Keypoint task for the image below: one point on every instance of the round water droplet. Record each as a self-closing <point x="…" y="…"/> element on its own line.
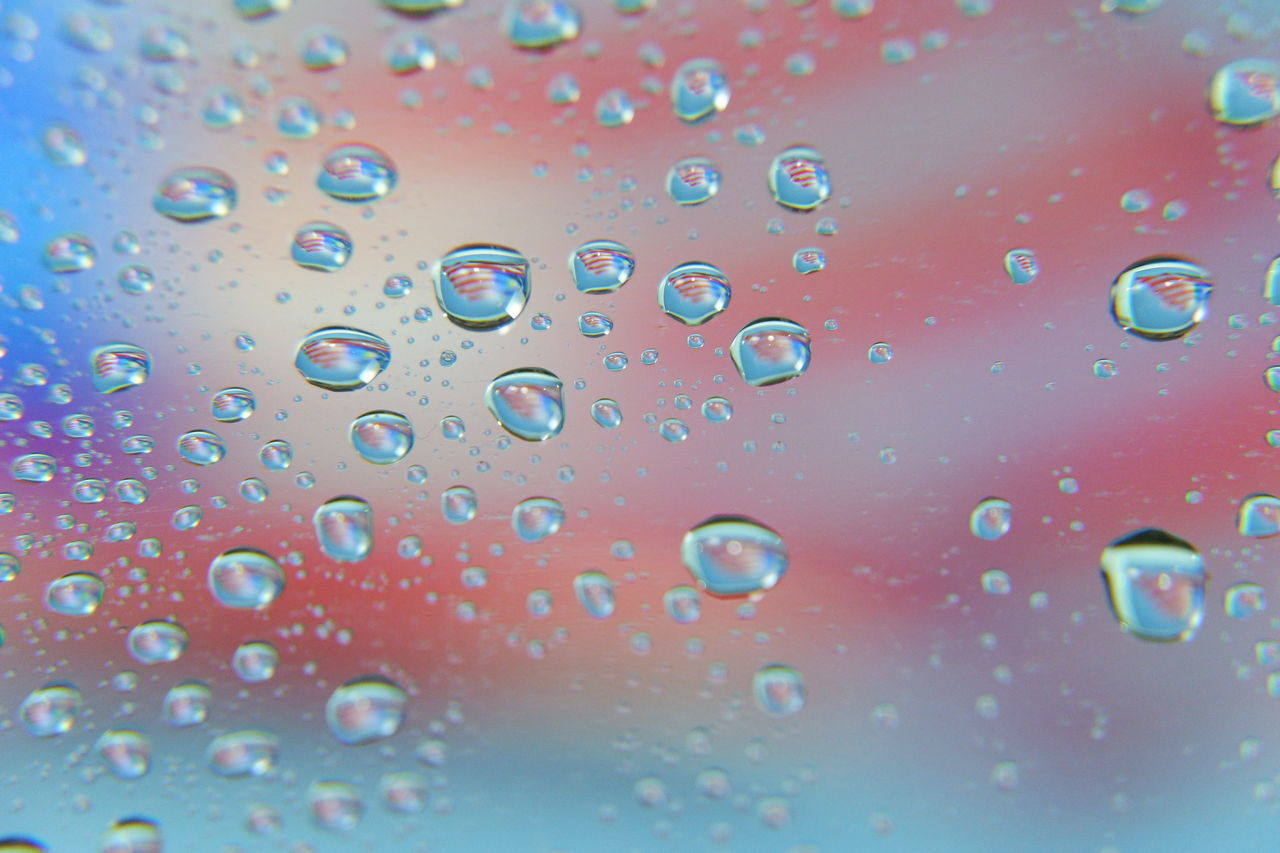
<point x="201" y="447"/>
<point x="1021" y="266"/>
<point x="245" y="578"/>
<point x="233" y="404"/>
<point x="699" y="90"/>
<point x="1155" y="583"/>
<point x="249" y="752"/>
<point x="118" y="366"/>
<point x="996" y="582"/>
<point x="356" y="173"/>
<point x="222" y="110"/>
<point x="186" y="704"/>
<point x="607" y="413"/>
<point x="614" y="109"/>
<point x="1259" y="516"/>
<point x="991" y="519"/>
<point x="682" y="604"/>
<point x="798" y="179"/>
<point x="344" y="529"/>
<point x="693" y="180"/>
<point x="276" y="455"/>
<point x="771" y="350"/>
<point x="324" y="51"/>
<point x="731" y="555"/>
<point x="34" y="468"/>
<point x="70" y="253"/>
<point x="157" y="641"/>
<point x="1161" y="299"/>
<point x="593" y="324"/>
<point x="404" y="792"/>
<point x="382" y="437"/>
<point x="880" y="353"/>
<point x="1246" y="91"/>
<point x="254" y="490"/>
<point x="534" y="519"/>
<point x="482" y="287"/>
<point x="11" y="407"/>
<point x="126" y="753"/>
<point x="63" y="146"/>
<point x="50" y="710"/>
<point x="528" y="403"/>
<point x="601" y="266"/>
<point x="541" y="24"/>
<point x="338" y="358"/>
<point x="255" y="662"/>
<point x="778" y="690"/>
<point x="335" y="806"/>
<point x="693" y="293"/>
<point x="195" y="194"/>
<point x="1243" y="600"/>
<point x="297" y="118"/>
<point x="321" y="246"/>
<point x="458" y="503"/>
<point x="410" y="53"/>
<point x="397" y="286"/>
<point x="187" y="517"/>
<point x="673" y="430"/>
<point x="366" y="709"/>
<point x="453" y="428"/>
<point x="136" y="279"/>
<point x="76" y="594"/>
<point x="594" y="591"/>
<point x="809" y="260"/>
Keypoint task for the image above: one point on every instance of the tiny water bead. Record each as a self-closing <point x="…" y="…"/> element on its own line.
<point x="1259" y="516"/>
<point x="991" y="519"/>
<point x="778" y="690"/>
<point x="321" y="246"/>
<point x="693" y="180"/>
<point x="798" y="179"/>
<point x="157" y="641"/>
<point x="10" y="567"/>
<point x="201" y="447"/>
<point x="50" y="710"/>
<point x="233" y="404"/>
<point x="119" y="366"/>
<point x="276" y="455"/>
<point x="534" y="519"/>
<point x="1021" y="266"/>
<point x="699" y="90"/>
<point x="528" y="403"/>
<point x="541" y="24"/>
<point x="607" y="413"/>
<point x="366" y="709"/>
<point x="601" y="266"/>
<point x="458" y="504"/>
<point x="771" y="350"/>
<point x="344" y="528"/>
<point x="195" y="194"/>
<point x="255" y="662"/>
<point x="381" y="437"/>
<point x="1161" y="298"/>
<point x="356" y="173"/>
<point x="245" y="579"/>
<point x="731" y="555"/>
<point x="694" y="293"/>
<point x="1246" y="91"/>
<point x="1155" y="583"/>
<point x="593" y="324"/>
<point x="482" y="287"/>
<point x="338" y="358"/>
<point x="594" y="592"/>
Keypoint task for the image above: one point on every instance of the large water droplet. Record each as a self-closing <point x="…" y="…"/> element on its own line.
<point x="1246" y="91"/>
<point x="117" y="366"/>
<point x="76" y="594"/>
<point x="356" y="173"/>
<point x="699" y="90"/>
<point x="338" y="358"/>
<point x="528" y="403"/>
<point x="731" y="555"/>
<point x="534" y="519"/>
<point x="1155" y="583"/>
<point x="366" y="709"/>
<point x="798" y="179"/>
<point x="778" y="690"/>
<point x="693" y="180"/>
<point x="34" y="468"/>
<point x="771" y="350"/>
<point x="991" y="518"/>
<point x="157" y="641"/>
<point x="601" y="266"/>
<point x="382" y="437"/>
<point x="195" y="194"/>
<point x="1161" y="299"/>
<point x="201" y="447"/>
<point x="541" y="24"/>
<point x="233" y="404"/>
<point x="594" y="591"/>
<point x="126" y="753"/>
<point x="1259" y="516"/>
<point x="482" y="287"/>
<point x="344" y="529"/>
<point x="50" y="710"/>
<point x="245" y="578"/>
<point x="458" y="504"/>
<point x="321" y="246"/>
<point x="249" y="752"/>
<point x="694" y="292"/>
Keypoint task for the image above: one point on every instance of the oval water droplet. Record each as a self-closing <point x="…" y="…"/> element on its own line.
<point x="1259" y="516"/>
<point x="534" y="519"/>
<point x="730" y="555"/>
<point x="1155" y="584"/>
<point x="382" y="437"/>
<point x="615" y="109"/>
<point x="593" y="324"/>
<point x="117" y="366"/>
<point x="798" y="179"/>
<point x="601" y="266"/>
<point x="541" y="24"/>
<point x="366" y="709"/>
<point x="249" y="752"/>
<point x="321" y="246"/>
<point x="1246" y="91"/>
<point x="607" y="413"/>
<point x="344" y="528"/>
<point x="694" y="180"/>
<point x="276" y="455"/>
<point x="771" y="350"/>
<point x="75" y="594"/>
<point x="201" y="447"/>
<point x="699" y="90"/>
<point x="338" y="358"/>
<point x="594" y="591"/>
<point x="809" y="260"/>
<point x="157" y="641"/>
<point x="356" y="173"/>
<point x="186" y="704"/>
<point x="410" y="53"/>
<point x="482" y="287"/>
<point x="421" y="8"/>
<point x="70" y="253"/>
<point x="1161" y="299"/>
<point x="528" y="403"/>
<point x="682" y="604"/>
<point x="335" y="806"/>
<point x="255" y="662"/>
<point x="34" y="468"/>
<point x="245" y="578"/>
<point x="50" y="710"/>
<point x="233" y="404"/>
<point x="195" y="194"/>
<point x="126" y="753"/>
<point x="694" y="292"/>
<point x="991" y="519"/>
<point x="132" y="835"/>
<point x="778" y="690"/>
<point x="458" y="504"/>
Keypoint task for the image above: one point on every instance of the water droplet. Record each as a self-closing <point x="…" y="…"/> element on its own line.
<point x="880" y="353"/>
<point x="996" y="582"/>
<point x="201" y="447"/>
<point x="222" y="110"/>
<point x="541" y="24"/>
<point x="50" y="710"/>
<point x="527" y="403"/>
<point x="321" y="246"/>
<point x="699" y="90"/>
<point x="276" y="455"/>
<point x="195" y="194"/>
<point x="136" y="280"/>
<point x="366" y="709"/>
<point x="614" y="109"/>
<point x="338" y="358"/>
<point x="324" y="51"/>
<point x="233" y="404"/>
<point x="127" y="755"/>
<point x="10" y="567"/>
<point x="118" y="366"/>
<point x="157" y="641"/>
<point x="482" y="287"/>
<point x="397" y="286"/>
<point x="404" y="792"/>
<point x="421" y="8"/>
<point x="11" y="407"/>
<point x="249" y="752"/>
<point x="297" y="118"/>
<point x="1246" y="91"/>
<point x="607" y="413"/>
<point x="335" y="806"/>
<point x="1105" y="368"/>
<point x="991" y="519"/>
<point x="356" y="173"/>
<point x="601" y="266"/>
<point x="1243" y="600"/>
<point x="245" y="578"/>
<point x="76" y="594"/>
<point x="1259" y="516"/>
<point x="693" y="180"/>
<point x="255" y="662"/>
<point x="594" y="591"/>
<point x="132" y="835"/>
<point x="458" y="504"/>
<point x="1155" y="583"/>
<point x="186" y="704"/>
<point x="731" y="555"/>
<point x="682" y="604"/>
<point x="717" y="410"/>
<point x="593" y="324"/>
<point x="187" y="517"/>
<point x="70" y="253"/>
<point x="798" y="179"/>
<point x="1160" y="299"/>
<point x="673" y="430"/>
<point x="778" y="690"/>
<point x="534" y="519"/>
<point x="34" y="468"/>
<point x="809" y="260"/>
<point x="693" y="293"/>
<point x="63" y="146"/>
<point x="255" y="9"/>
<point x="382" y="437"/>
<point x="771" y="350"/>
<point x="410" y="53"/>
<point x="1021" y="266"/>
<point x="344" y="529"/>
